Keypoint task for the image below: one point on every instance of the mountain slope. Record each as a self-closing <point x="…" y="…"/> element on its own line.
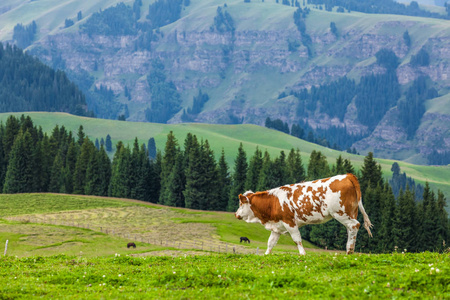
<point x="246" y="70"/>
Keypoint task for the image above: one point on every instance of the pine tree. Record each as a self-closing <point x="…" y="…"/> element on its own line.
<point x="370" y="173"/>
<point x="224" y="183"/>
<point x="176" y="183"/>
<point x="239" y="179"/>
<point x="254" y="170"/>
<point x="81" y="135"/>
<point x="296" y="171"/>
<point x="151" y="148"/>
<point x="108" y="143"/>
<point x="194" y="195"/>
<point x="71" y="160"/>
<point x="120" y="172"/>
<point x="211" y="178"/>
<point x="93" y="179"/>
<point x="266" y="178"/>
<point x="430" y="224"/>
<point x="405" y="230"/>
<point x="318" y="166"/>
<point x="155" y="178"/>
<point x="340" y="167"/>
<point x="79" y="176"/>
<point x="388" y="208"/>
<point x="443" y="223"/>
<point x="19" y="174"/>
<point x="57" y="175"/>
<point x="12" y="128"/>
<point x="167" y="164"/>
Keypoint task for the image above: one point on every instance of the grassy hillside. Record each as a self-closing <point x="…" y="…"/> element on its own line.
<point x="227" y="137"/>
<point x="49" y="224"/>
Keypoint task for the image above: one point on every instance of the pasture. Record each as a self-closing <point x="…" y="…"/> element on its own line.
<point x="325" y="276"/>
<point x="72" y="246"/>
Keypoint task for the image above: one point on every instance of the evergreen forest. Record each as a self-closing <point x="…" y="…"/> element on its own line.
<point x="188" y="175"/>
<point x="26" y="84"/>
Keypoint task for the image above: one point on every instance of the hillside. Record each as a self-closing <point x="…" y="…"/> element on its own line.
<point x="227" y="137"/>
<point x="250" y="70"/>
<point x="49" y="224"/>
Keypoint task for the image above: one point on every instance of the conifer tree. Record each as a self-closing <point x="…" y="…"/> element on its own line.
<point x="443" y="223"/>
<point x="79" y="176"/>
<point x="167" y="164"/>
<point x="348" y="166"/>
<point x="388" y="208"/>
<point x="239" y="179"/>
<point x="318" y="166"/>
<point x="108" y="143"/>
<point x="405" y="230"/>
<point x="176" y="183"/>
<point x="12" y="128"/>
<point x="194" y="196"/>
<point x="71" y="160"/>
<point x="154" y="178"/>
<point x="211" y="178"/>
<point x="19" y="174"/>
<point x="296" y="171"/>
<point x="430" y="224"/>
<point x="370" y="173"/>
<point x="81" y="135"/>
<point x="266" y="178"/>
<point x="254" y="170"/>
<point x="140" y="190"/>
<point x="224" y="182"/>
<point x="57" y="175"/>
<point x="120" y="172"/>
<point x="151" y="148"/>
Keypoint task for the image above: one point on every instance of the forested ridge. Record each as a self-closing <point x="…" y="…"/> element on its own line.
<point x="189" y="176"/>
<point x="26" y="84"/>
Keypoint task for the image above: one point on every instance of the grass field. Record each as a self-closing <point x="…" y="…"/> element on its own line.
<point x="53" y="253"/>
<point x="48" y="224"/>
<point x="424" y="276"/>
<point x="227" y="137"/>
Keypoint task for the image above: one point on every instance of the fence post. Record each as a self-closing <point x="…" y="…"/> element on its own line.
<point x="202" y="246"/>
<point x="226" y="247"/>
<point x="234" y="250"/>
<point x="6" y="247"/>
<point x="257" y="249"/>
<point x="101" y="229"/>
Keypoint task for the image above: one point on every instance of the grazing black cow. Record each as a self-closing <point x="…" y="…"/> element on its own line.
<point x="131" y="245"/>
<point x="245" y="239"/>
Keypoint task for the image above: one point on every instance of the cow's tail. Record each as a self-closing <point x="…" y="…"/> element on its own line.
<point x="367" y="223"/>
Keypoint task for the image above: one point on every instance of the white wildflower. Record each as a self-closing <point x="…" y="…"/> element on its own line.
<point x="417" y="270"/>
<point x="219" y="276"/>
<point x="437" y="270"/>
<point x="388" y="284"/>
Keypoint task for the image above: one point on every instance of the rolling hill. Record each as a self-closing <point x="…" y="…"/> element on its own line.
<point x="227" y="137"/>
<point x="248" y="72"/>
<point x="50" y="224"/>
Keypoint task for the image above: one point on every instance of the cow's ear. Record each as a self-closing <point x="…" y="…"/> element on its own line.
<point x="243" y="199"/>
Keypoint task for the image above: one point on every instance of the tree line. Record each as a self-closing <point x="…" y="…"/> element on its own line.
<point x="189" y="176"/>
<point x="26" y="84"/>
<point x="379" y="7"/>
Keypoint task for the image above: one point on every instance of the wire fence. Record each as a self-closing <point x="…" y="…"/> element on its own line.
<point x="210" y="245"/>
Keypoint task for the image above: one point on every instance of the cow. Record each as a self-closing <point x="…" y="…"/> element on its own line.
<point x="289" y="207"/>
<point x="131" y="245"/>
<point x="245" y="239"/>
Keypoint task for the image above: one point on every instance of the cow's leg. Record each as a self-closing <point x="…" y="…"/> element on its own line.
<point x="273" y="239"/>
<point x="295" y="234"/>
<point x="352" y="226"/>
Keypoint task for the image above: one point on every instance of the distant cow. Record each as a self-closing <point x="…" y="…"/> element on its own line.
<point x="245" y="239"/>
<point x="131" y="245"/>
<point x="285" y="209"/>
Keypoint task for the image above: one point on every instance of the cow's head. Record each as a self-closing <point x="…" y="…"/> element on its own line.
<point x="244" y="211"/>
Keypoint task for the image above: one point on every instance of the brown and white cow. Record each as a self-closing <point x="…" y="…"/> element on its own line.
<point x="286" y="208"/>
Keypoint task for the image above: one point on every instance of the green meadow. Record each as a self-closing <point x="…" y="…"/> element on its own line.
<point x="53" y="253"/>
<point x="228" y="138"/>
